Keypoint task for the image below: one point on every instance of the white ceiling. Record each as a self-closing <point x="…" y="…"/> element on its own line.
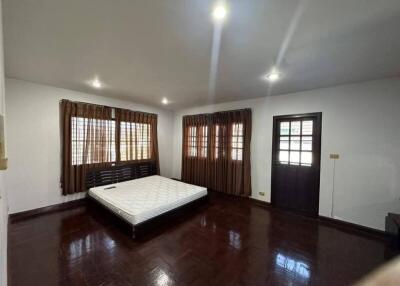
<point x="145" y="50"/>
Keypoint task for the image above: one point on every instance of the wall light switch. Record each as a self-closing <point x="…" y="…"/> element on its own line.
<point x="261" y="193"/>
<point x="334" y="156"/>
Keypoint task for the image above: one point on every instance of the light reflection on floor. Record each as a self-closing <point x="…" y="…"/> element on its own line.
<point x="203" y="222"/>
<point x="235" y="240"/>
<point x="83" y="246"/>
<point x="296" y="267"/>
<point x="161" y="278"/>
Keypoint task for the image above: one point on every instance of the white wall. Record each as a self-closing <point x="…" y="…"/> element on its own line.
<point x="3" y="193"/>
<point x="360" y="122"/>
<point x="34" y="141"/>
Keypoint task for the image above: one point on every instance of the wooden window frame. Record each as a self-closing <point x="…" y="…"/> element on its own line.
<point x="192" y="141"/>
<point x="202" y="136"/>
<point x="289" y="136"/>
<point x="117" y="143"/>
<point x="137" y="150"/>
<point x="234" y="139"/>
<point x="74" y="159"/>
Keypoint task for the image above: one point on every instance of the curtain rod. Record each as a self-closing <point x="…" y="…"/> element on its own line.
<point x="109" y="106"/>
<point x="224" y="111"/>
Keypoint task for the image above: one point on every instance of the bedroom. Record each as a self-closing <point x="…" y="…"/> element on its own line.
<point x="223" y="143"/>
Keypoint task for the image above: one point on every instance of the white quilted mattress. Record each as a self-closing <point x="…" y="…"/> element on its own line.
<point x="142" y="199"/>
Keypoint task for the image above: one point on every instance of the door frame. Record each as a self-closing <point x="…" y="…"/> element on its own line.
<point x="275" y="141"/>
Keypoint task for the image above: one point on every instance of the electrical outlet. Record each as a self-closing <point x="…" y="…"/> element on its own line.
<point x="334" y="156"/>
<point x="261" y="193"/>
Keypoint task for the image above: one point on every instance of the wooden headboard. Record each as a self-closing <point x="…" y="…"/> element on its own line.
<point x="111" y="175"/>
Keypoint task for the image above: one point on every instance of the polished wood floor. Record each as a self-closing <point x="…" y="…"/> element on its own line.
<point x="228" y="241"/>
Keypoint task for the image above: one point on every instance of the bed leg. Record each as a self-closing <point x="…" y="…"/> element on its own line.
<point x="133" y="232"/>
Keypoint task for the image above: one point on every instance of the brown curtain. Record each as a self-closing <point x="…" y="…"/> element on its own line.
<point x="138" y="136"/>
<point x="81" y="150"/>
<point x="195" y="168"/>
<point x="92" y="137"/>
<point x="226" y="165"/>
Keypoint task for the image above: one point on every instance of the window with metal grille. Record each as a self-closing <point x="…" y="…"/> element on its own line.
<point x="203" y="141"/>
<point x="237" y="141"/>
<point x="197" y="141"/>
<point x="219" y="142"/>
<point x="296" y="142"/>
<point x="93" y="141"/>
<point x="192" y="141"/>
<point x="135" y="141"/>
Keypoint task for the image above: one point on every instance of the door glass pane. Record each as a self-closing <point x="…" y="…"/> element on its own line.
<point x="306" y="158"/>
<point x="295" y="128"/>
<point x="295" y="143"/>
<point x="294" y="158"/>
<point x="284" y="128"/>
<point x="307" y="127"/>
<point x="306" y="143"/>
<point x="284" y="157"/>
<point x="284" y="143"/>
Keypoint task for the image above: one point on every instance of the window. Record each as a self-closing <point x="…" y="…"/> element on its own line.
<point x="237" y="141"/>
<point x="192" y="141"/>
<point x="295" y="142"/>
<point x="135" y="141"/>
<point x="203" y="139"/>
<point x="219" y="141"/>
<point x="91" y="137"/>
<point x="216" y="150"/>
<point x="217" y="138"/>
<point x="198" y="141"/>
<point x="97" y="136"/>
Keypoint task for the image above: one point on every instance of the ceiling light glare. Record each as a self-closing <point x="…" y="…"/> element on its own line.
<point x="164" y="101"/>
<point x="219" y="13"/>
<point x="96" y="83"/>
<point x="273" y="76"/>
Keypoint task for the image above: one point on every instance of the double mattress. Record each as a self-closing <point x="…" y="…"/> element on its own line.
<point x="139" y="200"/>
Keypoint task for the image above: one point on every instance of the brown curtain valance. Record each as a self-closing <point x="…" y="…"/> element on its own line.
<point x="216" y="151"/>
<point x="90" y="137"/>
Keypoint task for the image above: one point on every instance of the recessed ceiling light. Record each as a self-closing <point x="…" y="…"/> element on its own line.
<point x="219" y="13"/>
<point x="164" y="101"/>
<point x="96" y="83"/>
<point x="273" y="76"/>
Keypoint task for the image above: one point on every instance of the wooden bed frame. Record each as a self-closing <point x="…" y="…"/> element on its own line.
<point x="115" y="174"/>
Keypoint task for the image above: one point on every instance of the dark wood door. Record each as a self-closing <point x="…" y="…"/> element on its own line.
<point x="296" y="156"/>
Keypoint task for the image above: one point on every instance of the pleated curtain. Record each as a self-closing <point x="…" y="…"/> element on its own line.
<point x="140" y="136"/>
<point x="91" y="144"/>
<point x="223" y="162"/>
<point x="90" y="137"/>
